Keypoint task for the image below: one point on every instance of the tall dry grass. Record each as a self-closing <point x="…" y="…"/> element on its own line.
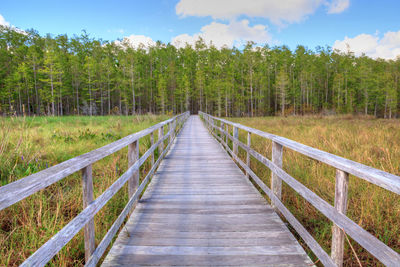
<point x="373" y="142"/>
<point x="28" y="145"/>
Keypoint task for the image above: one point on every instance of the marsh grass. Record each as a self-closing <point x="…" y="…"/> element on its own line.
<point x="373" y="142"/>
<point x="29" y="145"/>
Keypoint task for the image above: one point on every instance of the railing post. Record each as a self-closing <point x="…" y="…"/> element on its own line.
<point x="87" y="188"/>
<point x="226" y="135"/>
<point x="171" y="134"/>
<point x="248" y="152"/>
<point x="235" y="138"/>
<point x="152" y="143"/>
<point x="160" y="136"/>
<point x="222" y="133"/>
<point x="276" y="182"/>
<point x="341" y="189"/>
<point x="133" y="156"/>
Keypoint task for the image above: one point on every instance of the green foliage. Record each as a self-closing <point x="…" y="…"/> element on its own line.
<point x="80" y="75"/>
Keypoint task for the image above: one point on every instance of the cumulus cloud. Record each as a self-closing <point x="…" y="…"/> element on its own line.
<point x="235" y="33"/>
<point x="338" y="6"/>
<point x="3" y="21"/>
<point x="387" y="47"/>
<point x="136" y="41"/>
<point x="283" y="11"/>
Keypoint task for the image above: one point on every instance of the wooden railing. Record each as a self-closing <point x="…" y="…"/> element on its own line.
<point x="342" y="224"/>
<point x="18" y="190"/>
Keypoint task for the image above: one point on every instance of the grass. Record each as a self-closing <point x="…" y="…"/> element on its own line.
<point x="29" y="145"/>
<point x="373" y="142"/>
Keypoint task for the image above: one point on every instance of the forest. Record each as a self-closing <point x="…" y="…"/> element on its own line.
<point x="81" y="75"/>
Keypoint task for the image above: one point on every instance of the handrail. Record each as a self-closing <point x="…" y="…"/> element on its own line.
<point x="16" y="191"/>
<point x="22" y="188"/>
<point x="336" y="214"/>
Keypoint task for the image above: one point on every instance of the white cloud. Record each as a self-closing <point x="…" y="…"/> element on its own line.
<point x="387" y="47"/>
<point x="3" y="21"/>
<point x="235" y="33"/>
<point x="338" y="6"/>
<point x="278" y="12"/>
<point x="136" y="41"/>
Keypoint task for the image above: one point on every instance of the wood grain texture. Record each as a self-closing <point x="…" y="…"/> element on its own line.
<point x="341" y="189"/>
<point x="133" y="156"/>
<point x="377" y="248"/>
<point x="199" y="209"/>
<point x="276" y="182"/>
<point x="152" y="143"/>
<point x="380" y="178"/>
<point x="59" y="240"/>
<point x="87" y="197"/>
<point x="18" y="190"/>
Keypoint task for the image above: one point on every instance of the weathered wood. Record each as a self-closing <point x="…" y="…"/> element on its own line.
<point x="383" y="179"/>
<point x="276" y="182"/>
<point x="385" y="254"/>
<point x="87" y="190"/>
<point x="59" y="240"/>
<point x="98" y="253"/>
<point x="377" y="248"/>
<point x="341" y="188"/>
<point x="235" y="135"/>
<point x="133" y="156"/>
<point x="22" y="188"/>
<point x="160" y="136"/>
<point x="171" y="129"/>
<point x="152" y="143"/>
<point x="194" y="206"/>
<point x="247" y="153"/>
<point x="305" y="235"/>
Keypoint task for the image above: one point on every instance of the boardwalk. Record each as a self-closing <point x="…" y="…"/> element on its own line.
<point x="200" y="209"/>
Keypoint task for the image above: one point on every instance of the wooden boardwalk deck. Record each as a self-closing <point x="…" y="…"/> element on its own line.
<point x="200" y="210"/>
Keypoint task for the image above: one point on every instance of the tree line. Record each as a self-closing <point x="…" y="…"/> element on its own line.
<point x="80" y="75"/>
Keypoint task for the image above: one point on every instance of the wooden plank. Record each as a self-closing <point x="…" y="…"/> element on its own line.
<point x="59" y="240"/>
<point x="247" y="153"/>
<point x="276" y="182"/>
<point x="133" y="156"/>
<point x="208" y="250"/>
<point x="191" y="210"/>
<point x="152" y="143"/>
<point x="305" y="235"/>
<point x="98" y="253"/>
<point x="235" y="135"/>
<point x="209" y="260"/>
<point x="160" y="136"/>
<point x="377" y="248"/>
<point x="89" y="231"/>
<point x="22" y="188"/>
<point x="214" y="242"/>
<point x="341" y="188"/>
<point x="380" y="178"/>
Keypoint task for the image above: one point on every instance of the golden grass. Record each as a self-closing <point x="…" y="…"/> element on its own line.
<point x="373" y="142"/>
<point x="28" y="145"/>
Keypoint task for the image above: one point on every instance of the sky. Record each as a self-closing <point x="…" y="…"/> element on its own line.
<point x="363" y="26"/>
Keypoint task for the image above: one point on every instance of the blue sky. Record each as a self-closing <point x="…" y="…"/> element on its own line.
<point x="372" y="27"/>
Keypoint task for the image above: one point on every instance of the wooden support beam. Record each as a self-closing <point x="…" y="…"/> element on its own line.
<point x="87" y="189"/>
<point x="248" y="153"/>
<point x="341" y="189"/>
<point x="133" y="156"/>
<point x="276" y="182"/>
<point x="160" y="135"/>
<point x="151" y="144"/>
<point x="170" y="128"/>
<point x="235" y="135"/>
<point x="226" y="135"/>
